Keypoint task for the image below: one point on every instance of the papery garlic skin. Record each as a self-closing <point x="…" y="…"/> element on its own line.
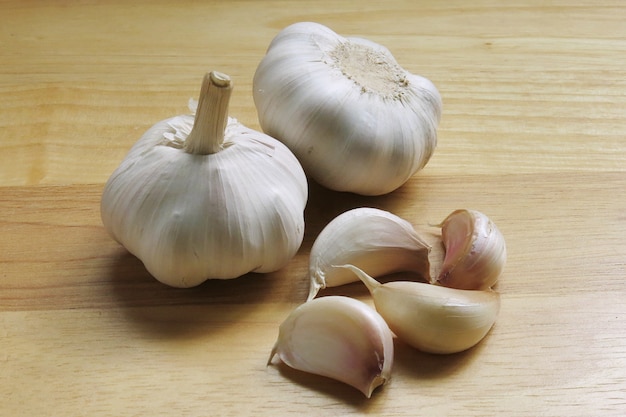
<point x="374" y="240"/>
<point x="433" y="318"/>
<point x="195" y="216"/>
<point x="340" y="338"/>
<point x="355" y="119"/>
<point x="475" y="251"/>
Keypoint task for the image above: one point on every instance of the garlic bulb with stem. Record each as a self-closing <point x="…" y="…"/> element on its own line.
<point x="206" y="197"/>
<point x="475" y="251"/>
<point x="372" y="239"/>
<point x="355" y="119"/>
<point x="340" y="338"/>
<point x="433" y="318"/>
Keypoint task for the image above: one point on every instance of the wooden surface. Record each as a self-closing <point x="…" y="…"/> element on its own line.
<point x="533" y="134"/>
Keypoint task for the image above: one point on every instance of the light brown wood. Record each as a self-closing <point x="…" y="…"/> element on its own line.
<point x="533" y="135"/>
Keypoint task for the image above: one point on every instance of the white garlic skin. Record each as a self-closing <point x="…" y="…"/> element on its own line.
<point x="433" y="318"/>
<point x="355" y="119"/>
<point x="190" y="217"/>
<point x="340" y="338"/>
<point x="374" y="240"/>
<point x="475" y="251"/>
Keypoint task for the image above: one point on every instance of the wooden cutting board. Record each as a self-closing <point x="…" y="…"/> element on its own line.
<point x="533" y="135"/>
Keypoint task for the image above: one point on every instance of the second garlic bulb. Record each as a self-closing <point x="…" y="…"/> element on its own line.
<point x="355" y="119"/>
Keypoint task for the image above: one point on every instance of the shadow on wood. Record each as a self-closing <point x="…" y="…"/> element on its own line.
<point x="185" y="312"/>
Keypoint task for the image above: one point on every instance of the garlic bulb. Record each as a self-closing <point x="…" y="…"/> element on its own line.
<point x="475" y="251"/>
<point x="340" y="338"/>
<point x="374" y="240"/>
<point x="355" y="119"/>
<point x="432" y="318"/>
<point x="207" y="197"/>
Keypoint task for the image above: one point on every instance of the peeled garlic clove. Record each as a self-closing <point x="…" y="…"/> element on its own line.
<point x="371" y="239"/>
<point x="432" y="318"/>
<point x="340" y="338"/>
<point x="475" y="251"/>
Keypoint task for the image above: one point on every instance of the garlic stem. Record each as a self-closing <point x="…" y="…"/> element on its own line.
<point x="207" y="134"/>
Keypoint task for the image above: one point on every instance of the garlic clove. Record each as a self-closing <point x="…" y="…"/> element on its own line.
<point x="340" y="338"/>
<point x="433" y="318"/>
<point x="475" y="251"/>
<point x="372" y="239"/>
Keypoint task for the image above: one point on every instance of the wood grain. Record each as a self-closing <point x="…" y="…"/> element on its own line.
<point x="532" y="135"/>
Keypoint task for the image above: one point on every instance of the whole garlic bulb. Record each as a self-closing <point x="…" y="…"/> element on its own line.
<point x="355" y="119"/>
<point x="207" y="197"/>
